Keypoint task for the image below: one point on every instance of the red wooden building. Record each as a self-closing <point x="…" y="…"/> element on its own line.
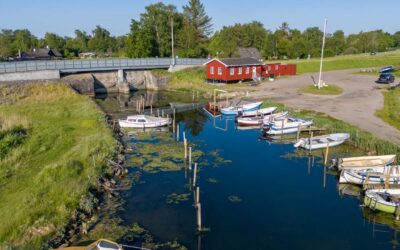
<point x="244" y="69"/>
<point x="233" y="69"/>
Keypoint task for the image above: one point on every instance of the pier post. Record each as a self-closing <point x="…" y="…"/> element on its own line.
<point x="298" y="133"/>
<point x="325" y="162"/>
<point x="311" y="136"/>
<point x="199" y="217"/>
<point x="194" y="174"/>
<point x="177" y="132"/>
<point x="151" y="109"/>
<point x="190" y="156"/>
<point x="197" y="197"/>
<point x="158" y="112"/>
<point x="185" y="148"/>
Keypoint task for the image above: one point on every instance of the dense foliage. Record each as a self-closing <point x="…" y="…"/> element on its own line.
<point x="150" y="36"/>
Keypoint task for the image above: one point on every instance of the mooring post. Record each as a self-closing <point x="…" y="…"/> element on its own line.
<point x="158" y="112"/>
<point x="199" y="217"/>
<point x="311" y="136"/>
<point x="298" y="132"/>
<point x="190" y="156"/>
<point x="162" y="113"/>
<point x="194" y="174"/>
<point x="325" y="162"/>
<point x="185" y="148"/>
<point x="151" y="109"/>
<point x="173" y="126"/>
<point x="197" y="197"/>
<point x="177" y="132"/>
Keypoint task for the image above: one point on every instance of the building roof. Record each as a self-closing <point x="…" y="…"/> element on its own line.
<point x="237" y="61"/>
<point x="250" y="53"/>
<point x="41" y="53"/>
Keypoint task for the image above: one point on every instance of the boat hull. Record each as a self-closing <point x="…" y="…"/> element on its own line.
<point x="245" y="108"/>
<point x="125" y="124"/>
<point x="374" y="200"/>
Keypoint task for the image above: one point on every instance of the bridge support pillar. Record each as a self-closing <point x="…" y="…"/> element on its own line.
<point x="123" y="86"/>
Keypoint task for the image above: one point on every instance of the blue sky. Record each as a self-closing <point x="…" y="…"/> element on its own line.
<point x="64" y="16"/>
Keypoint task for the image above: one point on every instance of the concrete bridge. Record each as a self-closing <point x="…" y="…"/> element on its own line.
<point x="52" y="69"/>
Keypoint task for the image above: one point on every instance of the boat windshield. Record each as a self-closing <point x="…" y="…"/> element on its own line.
<point x="141" y="120"/>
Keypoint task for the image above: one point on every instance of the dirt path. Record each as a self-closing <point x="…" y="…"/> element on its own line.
<point x="357" y="105"/>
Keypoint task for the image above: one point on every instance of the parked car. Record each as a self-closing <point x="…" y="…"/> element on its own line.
<point x="385" y="78"/>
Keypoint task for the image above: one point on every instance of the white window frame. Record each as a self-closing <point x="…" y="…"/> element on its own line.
<point x="247" y="70"/>
<point x="232" y="71"/>
<point x="219" y="71"/>
<point x="240" y="69"/>
<point x="212" y="70"/>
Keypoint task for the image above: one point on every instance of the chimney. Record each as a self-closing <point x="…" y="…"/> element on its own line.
<point x="34" y="49"/>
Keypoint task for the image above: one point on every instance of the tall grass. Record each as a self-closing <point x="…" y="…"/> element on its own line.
<point x="43" y="178"/>
<point x="360" y="139"/>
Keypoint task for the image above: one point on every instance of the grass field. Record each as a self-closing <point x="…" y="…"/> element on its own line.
<point x="391" y="110"/>
<point x="50" y="137"/>
<point x="347" y="62"/>
<point x="329" y="90"/>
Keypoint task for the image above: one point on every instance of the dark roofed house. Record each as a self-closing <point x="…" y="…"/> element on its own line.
<point x="233" y="69"/>
<point x="41" y="54"/>
<point x="250" y="53"/>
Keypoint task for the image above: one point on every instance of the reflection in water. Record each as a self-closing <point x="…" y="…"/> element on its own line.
<point x="281" y="188"/>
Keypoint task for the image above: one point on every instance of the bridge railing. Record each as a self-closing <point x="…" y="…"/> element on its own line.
<point x="95" y="64"/>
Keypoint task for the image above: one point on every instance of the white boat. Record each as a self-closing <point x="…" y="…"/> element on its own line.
<point x="373" y="175"/>
<point x="287" y="126"/>
<point x="254" y="121"/>
<point x="322" y="141"/>
<point x="144" y="121"/>
<point x="259" y="112"/>
<point x="363" y="162"/>
<point x="243" y="108"/>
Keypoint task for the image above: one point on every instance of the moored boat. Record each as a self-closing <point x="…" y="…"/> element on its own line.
<point x="384" y="200"/>
<point x="286" y="126"/>
<point x="322" y="141"/>
<point x="234" y="110"/>
<point x="254" y="121"/>
<point x="144" y="121"/>
<point x="363" y="162"/>
<point x="101" y="244"/>
<point x="373" y="175"/>
<point x="259" y="112"/>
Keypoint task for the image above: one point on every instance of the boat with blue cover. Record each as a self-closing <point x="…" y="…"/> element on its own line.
<point x="234" y="110"/>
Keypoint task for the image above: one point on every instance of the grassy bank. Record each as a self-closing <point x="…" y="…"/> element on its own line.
<point x="391" y="109"/>
<point x="329" y="90"/>
<point x="347" y="62"/>
<point x="53" y="146"/>
<point x="358" y="138"/>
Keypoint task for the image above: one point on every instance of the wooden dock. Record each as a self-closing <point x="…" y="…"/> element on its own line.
<point x="312" y="129"/>
<point x="380" y="186"/>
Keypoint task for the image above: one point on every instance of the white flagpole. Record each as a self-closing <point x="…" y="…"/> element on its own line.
<point x="322" y="54"/>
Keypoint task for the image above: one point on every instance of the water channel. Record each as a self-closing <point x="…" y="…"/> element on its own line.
<point x="254" y="194"/>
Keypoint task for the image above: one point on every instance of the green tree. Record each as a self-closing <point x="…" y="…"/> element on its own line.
<point x="140" y="41"/>
<point x="6" y="40"/>
<point x="24" y="40"/>
<point x="197" y="28"/>
<point x="336" y="43"/>
<point x="54" y="41"/>
<point x="101" y="40"/>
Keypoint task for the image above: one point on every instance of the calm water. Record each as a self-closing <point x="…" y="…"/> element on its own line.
<point x="283" y="204"/>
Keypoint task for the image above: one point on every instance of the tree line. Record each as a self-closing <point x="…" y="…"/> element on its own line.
<point x="151" y="36"/>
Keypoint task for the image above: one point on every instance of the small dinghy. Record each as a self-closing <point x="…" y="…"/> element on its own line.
<point x="244" y="108"/>
<point x="322" y="141"/>
<point x="373" y="175"/>
<point x="286" y="126"/>
<point x="363" y="162"/>
<point x="384" y="200"/>
<point x="144" y="121"/>
<point x="259" y="112"/>
<point x="256" y="121"/>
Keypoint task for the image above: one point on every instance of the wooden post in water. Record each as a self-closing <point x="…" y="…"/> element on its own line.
<point x="177" y="132"/>
<point x="199" y="217"/>
<point x="185" y="148"/>
<point x="162" y="113"/>
<point x="311" y="136"/>
<point x="325" y="162"/>
<point x="158" y="112"/>
<point x="194" y="174"/>
<point x="298" y="133"/>
<point x="190" y="156"/>
<point x="151" y="109"/>
<point x="197" y="198"/>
